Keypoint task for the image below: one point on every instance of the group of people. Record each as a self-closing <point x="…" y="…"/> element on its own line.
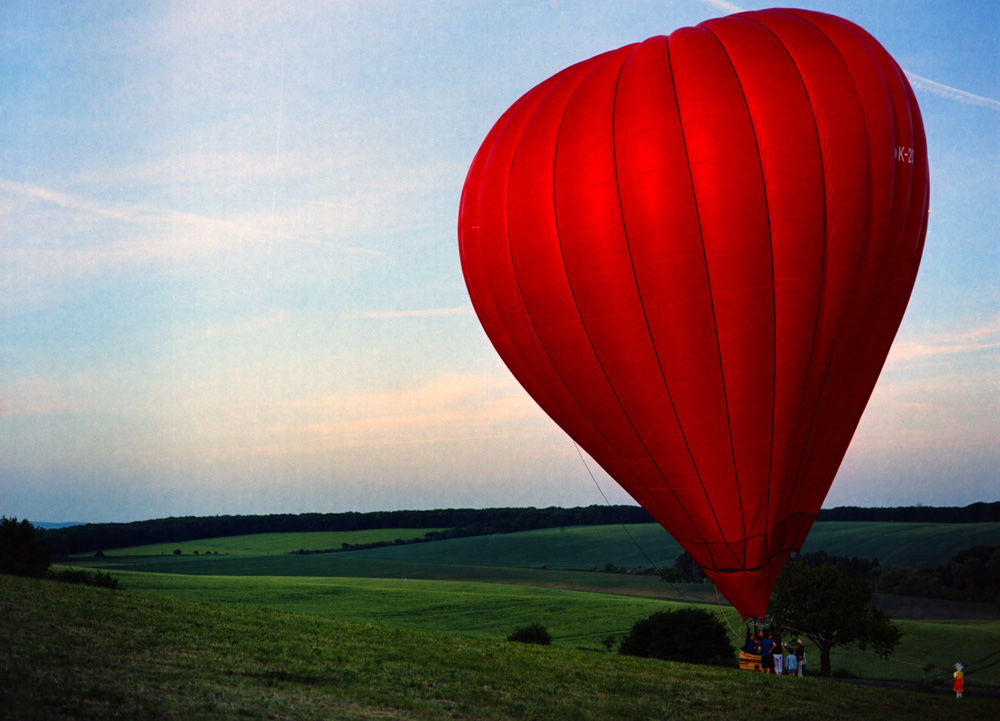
<point x="775" y="656"/>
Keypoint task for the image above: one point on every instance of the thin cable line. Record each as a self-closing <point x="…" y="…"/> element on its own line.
<point x="624" y="528"/>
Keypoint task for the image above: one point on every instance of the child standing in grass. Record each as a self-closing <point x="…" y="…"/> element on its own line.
<point x="959" y="684"/>
<point x="791" y="663"/>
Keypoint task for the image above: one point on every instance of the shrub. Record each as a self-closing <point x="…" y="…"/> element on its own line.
<point x="87" y="578"/>
<point x="535" y="633"/>
<point x="687" y="634"/>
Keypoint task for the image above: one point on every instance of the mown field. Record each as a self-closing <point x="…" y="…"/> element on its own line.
<point x="85" y="653"/>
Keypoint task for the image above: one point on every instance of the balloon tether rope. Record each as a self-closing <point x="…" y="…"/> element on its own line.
<point x="627" y="532"/>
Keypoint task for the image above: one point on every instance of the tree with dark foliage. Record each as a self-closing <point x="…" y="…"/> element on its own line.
<point x="830" y="608"/>
<point x="23" y="551"/>
<point x="687" y="634"/>
<point x="535" y="633"/>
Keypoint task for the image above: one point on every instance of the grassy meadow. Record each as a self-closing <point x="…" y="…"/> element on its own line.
<point x="576" y="619"/>
<point x="266" y="543"/>
<point x="918" y="545"/>
<point x="244" y="627"/>
<point x="86" y="653"/>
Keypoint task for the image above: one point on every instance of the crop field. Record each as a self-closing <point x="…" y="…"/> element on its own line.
<point x="919" y="545"/>
<point x="265" y="543"/>
<point x="85" y="653"/>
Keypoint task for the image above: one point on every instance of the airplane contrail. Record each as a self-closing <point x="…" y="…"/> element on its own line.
<point x="946" y="91"/>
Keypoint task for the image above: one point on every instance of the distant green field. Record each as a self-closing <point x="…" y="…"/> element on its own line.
<point x="266" y="543"/>
<point x="84" y="653"/>
<point x="919" y="545"/>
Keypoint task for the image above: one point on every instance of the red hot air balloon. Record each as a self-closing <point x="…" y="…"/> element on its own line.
<point x="694" y="253"/>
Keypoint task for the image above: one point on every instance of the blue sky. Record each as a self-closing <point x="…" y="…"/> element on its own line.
<point x="229" y="279"/>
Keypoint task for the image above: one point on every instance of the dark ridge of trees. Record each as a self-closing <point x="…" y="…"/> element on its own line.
<point x="974" y="513"/>
<point x="855" y="567"/>
<point x="971" y="575"/>
<point x="23" y="550"/>
<point x="460" y="522"/>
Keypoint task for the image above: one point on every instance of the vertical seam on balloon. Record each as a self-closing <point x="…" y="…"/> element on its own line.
<point x="838" y="434"/>
<point x="489" y="296"/>
<point x="806" y="500"/>
<point x="908" y="198"/>
<point x="642" y="306"/>
<point x="532" y="333"/>
<point x="555" y="369"/>
<point x="708" y="275"/>
<point x="583" y="325"/>
<point x="774" y="308"/>
<point x="796" y="483"/>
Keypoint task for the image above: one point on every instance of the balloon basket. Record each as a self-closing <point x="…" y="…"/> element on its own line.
<point x="750" y="661"/>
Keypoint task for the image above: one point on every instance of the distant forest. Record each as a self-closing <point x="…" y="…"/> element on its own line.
<point x="458" y="522"/>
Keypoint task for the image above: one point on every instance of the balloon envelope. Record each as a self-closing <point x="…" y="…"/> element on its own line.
<point x="694" y="252"/>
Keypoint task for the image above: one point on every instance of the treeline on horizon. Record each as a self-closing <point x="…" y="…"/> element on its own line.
<point x="459" y="523"/>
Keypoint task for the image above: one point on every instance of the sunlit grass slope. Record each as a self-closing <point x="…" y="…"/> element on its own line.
<point x="267" y="543"/>
<point x="83" y="653"/>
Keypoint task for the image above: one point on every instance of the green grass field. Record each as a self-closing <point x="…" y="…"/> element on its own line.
<point x="918" y="545"/>
<point x="266" y="543"/>
<point x="576" y="619"/>
<point x="85" y="653"/>
<point x="477" y="590"/>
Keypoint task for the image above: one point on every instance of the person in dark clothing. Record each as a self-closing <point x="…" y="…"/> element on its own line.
<point x="767" y="653"/>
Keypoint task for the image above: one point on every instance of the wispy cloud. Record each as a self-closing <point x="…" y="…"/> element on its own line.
<point x="445" y="408"/>
<point x="951" y="93"/>
<point x="947" y="345"/>
<point x="726" y="7"/>
<point x="424" y="313"/>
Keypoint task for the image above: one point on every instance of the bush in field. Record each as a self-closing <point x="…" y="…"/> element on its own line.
<point x="687" y="634"/>
<point x="87" y="578"/>
<point x="535" y="633"/>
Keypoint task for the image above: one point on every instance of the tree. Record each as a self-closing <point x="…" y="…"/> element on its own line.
<point x="23" y="551"/>
<point x="830" y="608"/>
<point x="687" y="634"/>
